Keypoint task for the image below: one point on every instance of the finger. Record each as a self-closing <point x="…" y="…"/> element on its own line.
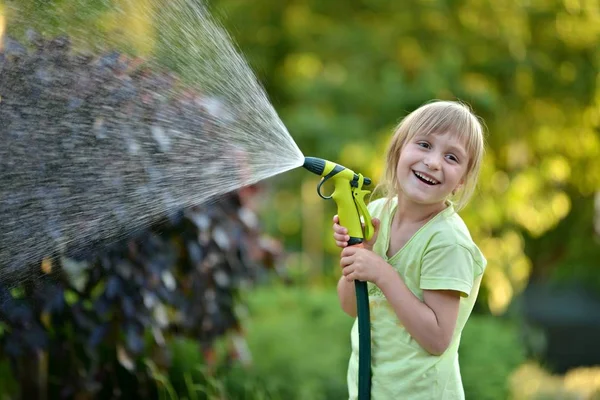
<point x="349" y="251"/>
<point x="341" y="237"/>
<point x="345" y="262"/>
<point x="376" y="223"/>
<point x="341" y="244"/>
<point x="339" y="229"/>
<point x="336" y="219"/>
<point x="356" y="276"/>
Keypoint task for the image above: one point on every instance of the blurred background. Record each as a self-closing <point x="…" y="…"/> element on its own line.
<point x="341" y="75"/>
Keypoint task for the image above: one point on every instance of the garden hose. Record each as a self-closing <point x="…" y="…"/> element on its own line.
<point x="352" y="212"/>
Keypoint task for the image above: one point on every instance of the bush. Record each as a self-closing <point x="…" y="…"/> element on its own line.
<point x="489" y="353"/>
<point x="8" y="384"/>
<point x="291" y="360"/>
<point x="285" y="334"/>
<point x="287" y="338"/>
<point x="532" y="382"/>
<point x="117" y="326"/>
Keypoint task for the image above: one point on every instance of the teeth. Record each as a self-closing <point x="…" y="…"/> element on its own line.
<point x="426" y="178"/>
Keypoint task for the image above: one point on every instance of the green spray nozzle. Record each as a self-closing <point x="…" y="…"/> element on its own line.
<point x="323" y="167"/>
<point x="347" y="194"/>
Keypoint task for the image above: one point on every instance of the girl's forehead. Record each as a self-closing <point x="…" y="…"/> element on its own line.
<point x="447" y="135"/>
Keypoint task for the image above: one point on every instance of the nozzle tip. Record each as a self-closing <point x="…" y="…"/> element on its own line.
<point x="314" y="165"/>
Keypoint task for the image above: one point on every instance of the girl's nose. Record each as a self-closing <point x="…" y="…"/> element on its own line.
<point x="432" y="162"/>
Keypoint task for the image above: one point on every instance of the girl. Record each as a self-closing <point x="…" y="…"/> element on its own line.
<point x="422" y="267"/>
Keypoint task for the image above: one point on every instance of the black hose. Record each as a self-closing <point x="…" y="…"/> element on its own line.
<point x="364" y="340"/>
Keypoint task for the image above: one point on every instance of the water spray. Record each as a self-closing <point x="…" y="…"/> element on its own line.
<point x="118" y="153"/>
<point x="353" y="214"/>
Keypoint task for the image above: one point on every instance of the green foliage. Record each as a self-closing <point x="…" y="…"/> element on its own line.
<point x="532" y="382"/>
<point x="343" y="73"/>
<point x="8" y="384"/>
<point x="107" y="326"/>
<point x="190" y="378"/>
<point x="289" y="331"/>
<point x="490" y="352"/>
<point x="300" y="340"/>
<point x="50" y="17"/>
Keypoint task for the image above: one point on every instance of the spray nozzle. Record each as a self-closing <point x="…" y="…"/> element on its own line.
<point x="314" y="165"/>
<point x="327" y="169"/>
<point x="348" y="195"/>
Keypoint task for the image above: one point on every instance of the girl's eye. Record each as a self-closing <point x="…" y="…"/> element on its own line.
<point x="424" y="145"/>
<point x="452" y="157"/>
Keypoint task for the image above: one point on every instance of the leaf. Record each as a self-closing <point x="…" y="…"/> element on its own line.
<point x="134" y="339"/>
<point x="46" y="266"/>
<point x="46" y="319"/>
<point x="97" y="335"/>
<point x="124" y="358"/>
<point x="113" y="287"/>
<point x="169" y="280"/>
<point x="221" y="238"/>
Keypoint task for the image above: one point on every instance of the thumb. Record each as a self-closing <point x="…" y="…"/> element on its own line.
<point x="376" y="225"/>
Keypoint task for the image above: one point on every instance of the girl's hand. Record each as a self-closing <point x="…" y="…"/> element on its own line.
<point x="340" y="234"/>
<point x="361" y="264"/>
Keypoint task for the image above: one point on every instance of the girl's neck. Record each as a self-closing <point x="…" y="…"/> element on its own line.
<point x="411" y="213"/>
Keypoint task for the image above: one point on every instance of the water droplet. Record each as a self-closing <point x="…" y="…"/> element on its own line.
<point x="161" y="138"/>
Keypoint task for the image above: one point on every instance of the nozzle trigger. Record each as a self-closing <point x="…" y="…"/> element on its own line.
<point x="319" y="189"/>
<point x="363" y="212"/>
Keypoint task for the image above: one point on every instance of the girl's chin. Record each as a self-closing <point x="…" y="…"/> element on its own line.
<point x="423" y="200"/>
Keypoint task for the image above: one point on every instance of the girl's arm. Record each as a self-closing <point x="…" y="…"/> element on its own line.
<point x="347" y="296"/>
<point x="430" y="322"/>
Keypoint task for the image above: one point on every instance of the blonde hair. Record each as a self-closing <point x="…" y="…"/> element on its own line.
<point x="438" y="117"/>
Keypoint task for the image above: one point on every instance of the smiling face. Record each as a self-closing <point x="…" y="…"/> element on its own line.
<point x="430" y="168"/>
<point x="436" y="149"/>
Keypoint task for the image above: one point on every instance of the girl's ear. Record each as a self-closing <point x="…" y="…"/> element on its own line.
<point x="460" y="185"/>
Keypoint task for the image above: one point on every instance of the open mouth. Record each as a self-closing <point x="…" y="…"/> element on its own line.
<point x="426" y="179"/>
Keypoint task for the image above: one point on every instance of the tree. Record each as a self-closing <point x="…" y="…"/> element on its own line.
<point x="344" y="73"/>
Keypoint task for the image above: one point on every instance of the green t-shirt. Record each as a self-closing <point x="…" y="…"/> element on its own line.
<point x="440" y="256"/>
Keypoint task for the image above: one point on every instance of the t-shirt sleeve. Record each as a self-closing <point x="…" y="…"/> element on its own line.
<point x="449" y="267"/>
